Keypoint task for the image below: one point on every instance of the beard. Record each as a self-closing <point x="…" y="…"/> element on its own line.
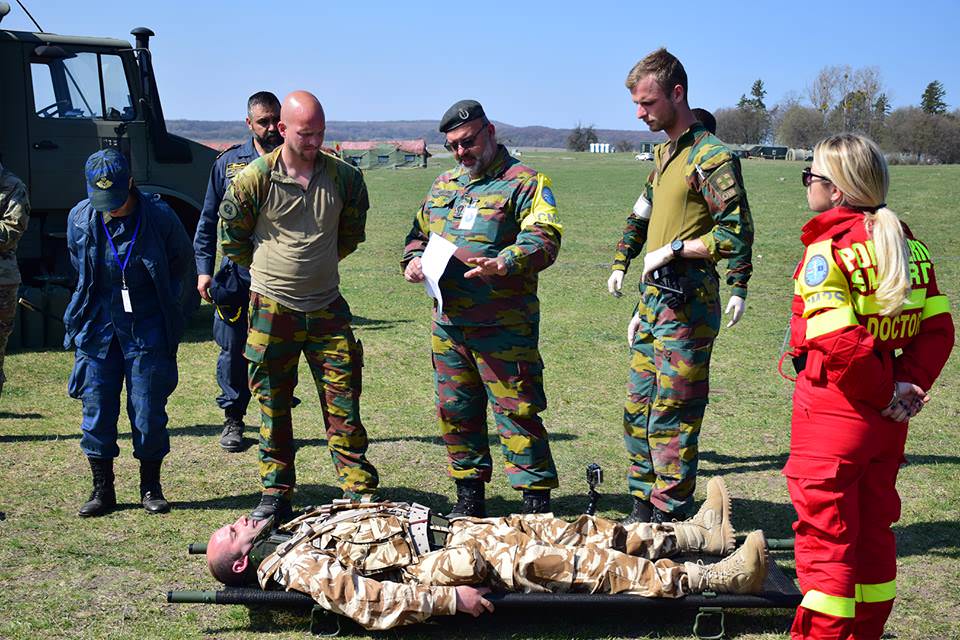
<point x="482" y="161"/>
<point x="270" y="141"/>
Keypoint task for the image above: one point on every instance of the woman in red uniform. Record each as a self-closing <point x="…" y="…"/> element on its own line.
<point x="864" y="289"/>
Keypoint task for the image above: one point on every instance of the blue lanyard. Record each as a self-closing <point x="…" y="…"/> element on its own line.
<point x="122" y="264"/>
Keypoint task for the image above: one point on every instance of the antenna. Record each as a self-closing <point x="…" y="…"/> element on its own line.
<point x="39" y="28"/>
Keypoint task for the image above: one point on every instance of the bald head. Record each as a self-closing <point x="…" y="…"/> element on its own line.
<point x="302" y="125"/>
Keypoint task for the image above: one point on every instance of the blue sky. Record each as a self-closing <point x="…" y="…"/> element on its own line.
<point x="529" y="63"/>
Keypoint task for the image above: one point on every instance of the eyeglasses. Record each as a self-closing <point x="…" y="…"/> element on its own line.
<point x="466" y="143"/>
<point x="807" y="177"/>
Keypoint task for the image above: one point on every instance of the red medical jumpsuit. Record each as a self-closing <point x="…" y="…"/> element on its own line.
<point x="844" y="456"/>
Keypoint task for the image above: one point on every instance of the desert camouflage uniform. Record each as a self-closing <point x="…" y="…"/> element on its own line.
<point x="278" y="334"/>
<point x="14" y="214"/>
<point x="363" y="564"/>
<point x="696" y="191"/>
<point x="485" y="343"/>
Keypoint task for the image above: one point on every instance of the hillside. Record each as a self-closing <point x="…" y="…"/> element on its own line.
<point x="407" y="129"/>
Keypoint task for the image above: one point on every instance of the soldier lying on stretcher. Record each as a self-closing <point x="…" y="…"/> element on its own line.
<point x="388" y="564"/>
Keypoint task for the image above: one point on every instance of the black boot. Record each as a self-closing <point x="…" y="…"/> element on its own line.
<point x="470" y="500"/>
<point x="273" y="505"/>
<point x="536" y="501"/>
<point x="642" y="512"/>
<point x="231" y="439"/>
<point x="103" y="498"/>
<point x="151" y="493"/>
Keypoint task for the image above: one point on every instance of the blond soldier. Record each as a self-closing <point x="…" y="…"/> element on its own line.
<point x="14" y="213"/>
<point x="389" y="564"/>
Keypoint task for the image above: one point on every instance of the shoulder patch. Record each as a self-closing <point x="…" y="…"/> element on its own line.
<point x="547" y="195"/>
<point x="228" y="209"/>
<point x="230" y="148"/>
<point x="816" y="270"/>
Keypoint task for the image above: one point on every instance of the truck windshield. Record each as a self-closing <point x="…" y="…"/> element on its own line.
<point x="84" y="85"/>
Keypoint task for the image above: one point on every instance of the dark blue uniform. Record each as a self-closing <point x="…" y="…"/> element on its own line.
<point x="229" y="324"/>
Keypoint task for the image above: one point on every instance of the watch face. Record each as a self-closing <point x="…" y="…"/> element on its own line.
<point x="676" y="246"/>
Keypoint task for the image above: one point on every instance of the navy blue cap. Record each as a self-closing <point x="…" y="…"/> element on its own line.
<point x="108" y="180"/>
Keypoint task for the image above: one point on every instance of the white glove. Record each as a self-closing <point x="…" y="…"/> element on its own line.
<point x="632" y="329"/>
<point x="615" y="283"/>
<point x="655" y="259"/>
<point x="735" y="308"/>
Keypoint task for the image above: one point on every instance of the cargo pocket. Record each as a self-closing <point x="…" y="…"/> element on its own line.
<point x="78" y="378"/>
<point x="818" y="490"/>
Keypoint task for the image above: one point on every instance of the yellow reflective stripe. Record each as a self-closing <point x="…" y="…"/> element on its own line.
<point x="880" y="592"/>
<point x="868" y="305"/>
<point x="831" y="321"/>
<point x="934" y="306"/>
<point x="831" y="605"/>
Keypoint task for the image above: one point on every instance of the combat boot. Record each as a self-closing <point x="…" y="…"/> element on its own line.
<point x="231" y="439"/>
<point x="743" y="572"/>
<point x="709" y="531"/>
<point x="151" y="493"/>
<point x="471" y="500"/>
<point x="103" y="498"/>
<point x="642" y="511"/>
<point x="536" y="501"/>
<point x="275" y="505"/>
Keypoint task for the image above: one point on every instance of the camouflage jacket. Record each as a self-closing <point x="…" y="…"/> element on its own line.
<point x="14" y="214"/>
<point x="701" y="197"/>
<point x="363" y="562"/>
<point x="511" y="212"/>
<point x="240" y="207"/>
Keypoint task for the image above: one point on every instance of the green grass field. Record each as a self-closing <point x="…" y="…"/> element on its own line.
<point x="63" y="577"/>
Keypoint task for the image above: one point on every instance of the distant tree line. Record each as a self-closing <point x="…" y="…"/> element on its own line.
<point x="839" y="99"/>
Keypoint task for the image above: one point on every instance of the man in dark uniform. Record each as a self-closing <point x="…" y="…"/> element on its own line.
<point x="230" y="320"/>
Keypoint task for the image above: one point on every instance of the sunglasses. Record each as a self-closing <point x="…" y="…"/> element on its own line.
<point x="466" y="143"/>
<point x="807" y="177"/>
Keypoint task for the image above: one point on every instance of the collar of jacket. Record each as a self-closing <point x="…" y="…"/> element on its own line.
<point x="831" y="221"/>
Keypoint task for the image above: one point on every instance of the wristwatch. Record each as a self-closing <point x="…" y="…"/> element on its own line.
<point x="676" y="247"/>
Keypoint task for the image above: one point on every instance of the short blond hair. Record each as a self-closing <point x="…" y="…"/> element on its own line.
<point x="856" y="166"/>
<point x="664" y="66"/>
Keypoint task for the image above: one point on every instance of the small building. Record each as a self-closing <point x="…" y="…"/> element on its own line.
<point x="601" y="147"/>
<point x="371" y="154"/>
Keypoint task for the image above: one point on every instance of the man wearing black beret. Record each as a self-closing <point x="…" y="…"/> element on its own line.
<point x="502" y="217"/>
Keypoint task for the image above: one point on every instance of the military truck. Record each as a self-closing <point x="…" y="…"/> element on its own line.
<point x="61" y="99"/>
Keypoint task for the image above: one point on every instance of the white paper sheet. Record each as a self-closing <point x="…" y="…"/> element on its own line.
<point x="433" y="263"/>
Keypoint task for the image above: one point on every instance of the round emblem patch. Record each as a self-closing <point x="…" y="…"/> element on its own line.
<point x="228" y="210"/>
<point x="816" y="271"/>
<point x="548" y="197"/>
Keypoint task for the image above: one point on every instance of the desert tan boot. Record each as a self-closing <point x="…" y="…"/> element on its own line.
<point x="743" y="572"/>
<point x="709" y="531"/>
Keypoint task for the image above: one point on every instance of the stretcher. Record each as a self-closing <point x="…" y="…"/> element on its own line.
<point x="779" y="592"/>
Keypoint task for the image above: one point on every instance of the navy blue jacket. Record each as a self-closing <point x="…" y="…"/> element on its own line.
<point x="163" y="247"/>
<point x="228" y="164"/>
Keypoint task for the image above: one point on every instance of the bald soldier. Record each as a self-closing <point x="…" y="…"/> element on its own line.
<point x="290" y="216"/>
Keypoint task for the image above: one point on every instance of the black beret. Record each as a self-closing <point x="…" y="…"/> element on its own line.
<point x="460" y="113"/>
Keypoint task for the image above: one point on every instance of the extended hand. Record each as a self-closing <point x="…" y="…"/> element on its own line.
<point x="632" y="328"/>
<point x="735" y="308"/>
<point x="414" y="271"/>
<point x="203" y="287"/>
<point x="470" y="600"/>
<point x="655" y="259"/>
<point x="486" y="267"/>
<point x="615" y="283"/>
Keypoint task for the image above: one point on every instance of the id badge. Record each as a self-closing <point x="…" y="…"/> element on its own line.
<point x="125" y="296"/>
<point x="468" y="219"/>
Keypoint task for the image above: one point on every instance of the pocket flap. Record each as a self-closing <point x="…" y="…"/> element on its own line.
<point x="800" y="467"/>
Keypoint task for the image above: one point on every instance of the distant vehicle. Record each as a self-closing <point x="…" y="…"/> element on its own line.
<point x="644" y="155"/>
<point x="769" y="152"/>
<point x="63" y="98"/>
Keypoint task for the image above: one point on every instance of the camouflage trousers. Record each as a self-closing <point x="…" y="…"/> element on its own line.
<point x="540" y="553"/>
<point x="667" y="393"/>
<point x="502" y="365"/>
<point x="8" y="311"/>
<point x="277" y="337"/>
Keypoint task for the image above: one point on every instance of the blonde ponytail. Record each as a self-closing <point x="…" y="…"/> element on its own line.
<point x="893" y="260"/>
<point x="856" y="166"/>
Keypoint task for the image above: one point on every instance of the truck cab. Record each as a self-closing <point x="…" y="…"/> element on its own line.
<point x="61" y="99"/>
